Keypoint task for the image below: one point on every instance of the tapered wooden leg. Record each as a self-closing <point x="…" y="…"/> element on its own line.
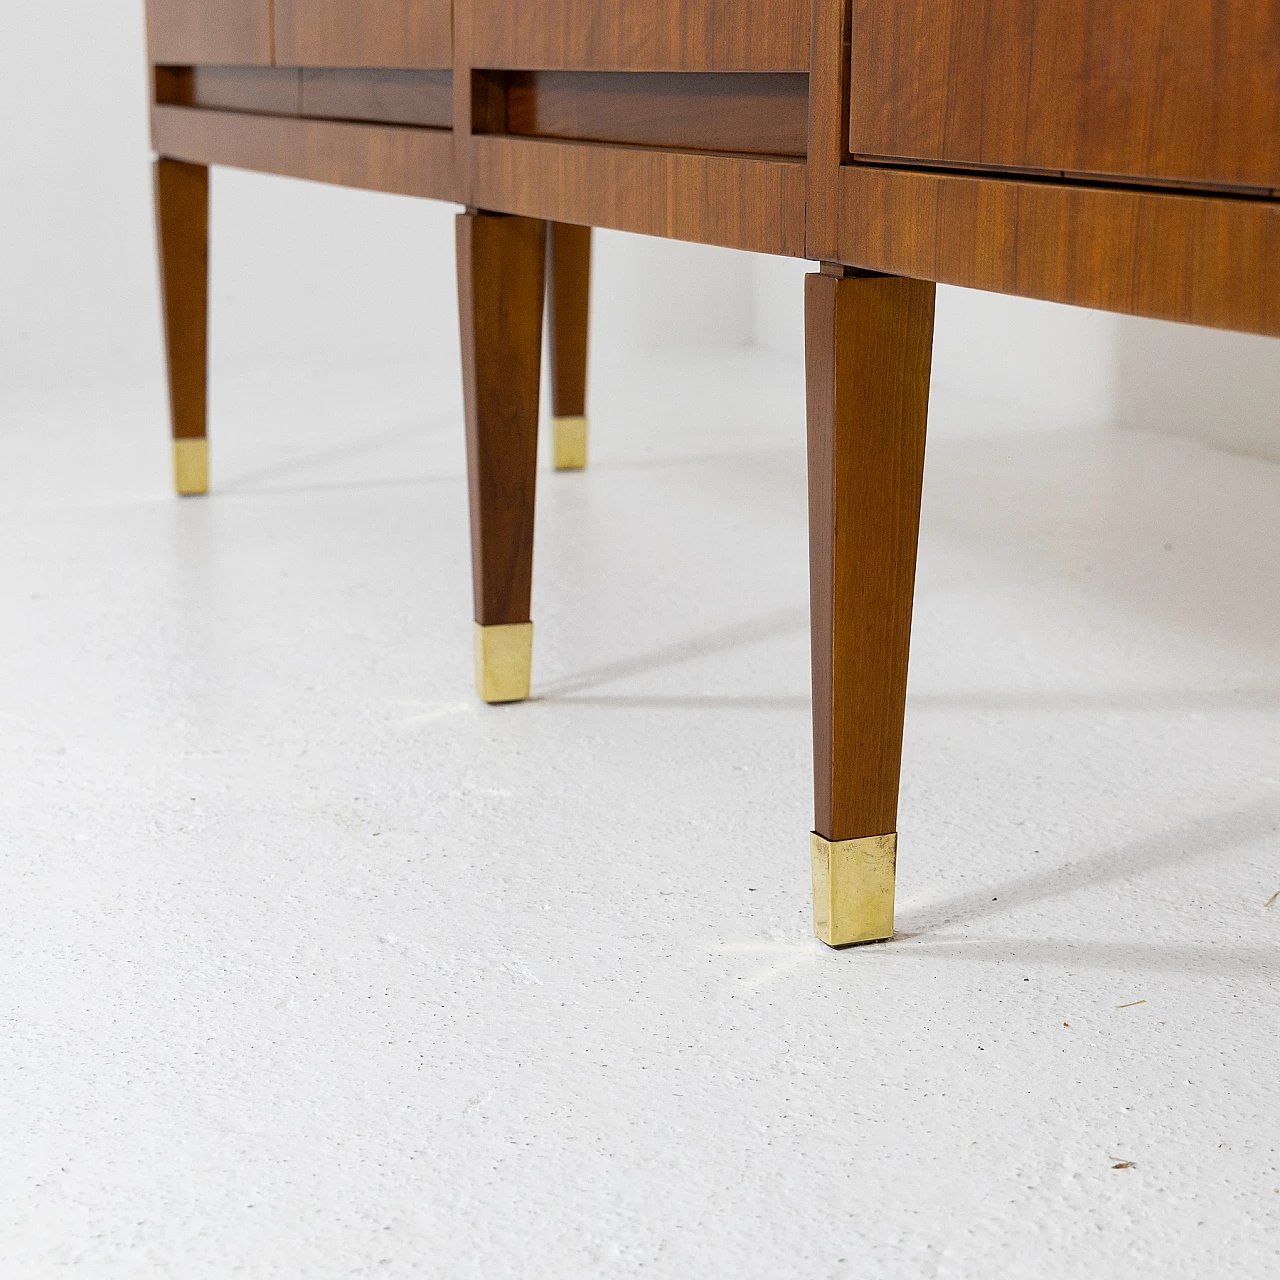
<point x="501" y="284"/>
<point x="182" y="233"/>
<point x="569" y="315"/>
<point x="870" y="342"/>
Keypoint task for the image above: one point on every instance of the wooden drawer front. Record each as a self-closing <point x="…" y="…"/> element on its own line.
<point x="641" y="35"/>
<point x="1159" y="90"/>
<point x="364" y="33"/>
<point x="230" y="31"/>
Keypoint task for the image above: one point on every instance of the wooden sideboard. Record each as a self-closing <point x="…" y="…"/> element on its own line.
<point x="1119" y="156"/>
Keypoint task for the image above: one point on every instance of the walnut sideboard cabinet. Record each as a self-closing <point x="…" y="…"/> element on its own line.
<point x="1118" y="155"/>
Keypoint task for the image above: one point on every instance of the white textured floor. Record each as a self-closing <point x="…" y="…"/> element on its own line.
<point x="313" y="967"/>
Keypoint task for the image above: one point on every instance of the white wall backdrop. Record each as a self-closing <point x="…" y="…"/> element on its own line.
<point x="1000" y="364"/>
<point x="311" y="275"/>
<point x="1222" y="388"/>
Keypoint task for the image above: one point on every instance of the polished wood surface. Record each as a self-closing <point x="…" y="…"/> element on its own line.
<point x="738" y="202"/>
<point x="1164" y="90"/>
<point x="275" y="91"/>
<point x="182" y="236"/>
<point x="410" y="162"/>
<point x="623" y="35"/>
<point x="869" y="343"/>
<point x="230" y="31"/>
<point x="751" y="113"/>
<point x="423" y="98"/>
<point x="501" y="289"/>
<point x="1198" y="259"/>
<point x="568" y="317"/>
<point x="716" y="157"/>
<point x="371" y="33"/>
<point x="828" y="126"/>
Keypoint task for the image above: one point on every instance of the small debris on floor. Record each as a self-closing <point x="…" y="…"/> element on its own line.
<point x="1132" y="1004"/>
<point x="1271" y="901"/>
<point x="1124" y="1164"/>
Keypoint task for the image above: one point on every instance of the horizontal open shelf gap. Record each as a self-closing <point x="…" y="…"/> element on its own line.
<point x="742" y="113"/>
<point x="729" y="113"/>
<point x="423" y="99"/>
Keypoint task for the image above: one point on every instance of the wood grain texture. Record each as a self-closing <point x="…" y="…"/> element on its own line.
<point x="464" y="87"/>
<point x="828" y="124"/>
<point x="869" y="345"/>
<point x="1198" y="259"/>
<point x="423" y="98"/>
<point x="182" y="237"/>
<point x="756" y="113"/>
<point x="190" y="31"/>
<point x="641" y="35"/>
<point x="568" y="316"/>
<point x="738" y="202"/>
<point x="1185" y="90"/>
<point x="371" y="33"/>
<point x="411" y="162"/>
<point x="275" y="91"/>
<point x="501" y="289"/>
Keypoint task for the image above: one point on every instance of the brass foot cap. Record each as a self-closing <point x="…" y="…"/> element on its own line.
<point x="853" y="884"/>
<point x="569" y="437"/>
<point x="504" y="661"/>
<point x="191" y="467"/>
